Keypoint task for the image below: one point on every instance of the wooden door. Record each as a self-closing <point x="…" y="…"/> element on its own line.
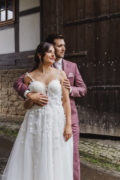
<point x="92" y="33"/>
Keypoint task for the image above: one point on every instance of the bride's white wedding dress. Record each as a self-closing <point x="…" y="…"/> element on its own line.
<point x="40" y="151"/>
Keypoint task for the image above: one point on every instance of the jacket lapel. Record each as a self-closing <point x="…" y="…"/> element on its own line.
<point x="65" y="66"/>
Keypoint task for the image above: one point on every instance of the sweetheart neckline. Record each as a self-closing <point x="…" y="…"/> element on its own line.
<point x="46" y="86"/>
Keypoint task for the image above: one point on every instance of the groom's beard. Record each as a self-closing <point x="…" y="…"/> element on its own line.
<point x="60" y="55"/>
<point x="58" y="58"/>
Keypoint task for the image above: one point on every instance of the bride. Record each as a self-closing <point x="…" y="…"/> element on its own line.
<point x="43" y="149"/>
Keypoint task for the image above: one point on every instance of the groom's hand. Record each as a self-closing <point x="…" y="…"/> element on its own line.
<point x="38" y="98"/>
<point x="66" y="84"/>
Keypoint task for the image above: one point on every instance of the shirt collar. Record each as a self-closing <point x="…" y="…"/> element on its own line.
<point x="59" y="62"/>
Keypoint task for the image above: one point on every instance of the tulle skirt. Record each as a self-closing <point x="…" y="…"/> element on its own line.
<point x="40" y="151"/>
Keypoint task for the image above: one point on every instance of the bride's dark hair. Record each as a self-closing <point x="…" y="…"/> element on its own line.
<point x="41" y="50"/>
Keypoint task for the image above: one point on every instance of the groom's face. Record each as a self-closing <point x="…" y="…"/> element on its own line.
<point x="59" y="45"/>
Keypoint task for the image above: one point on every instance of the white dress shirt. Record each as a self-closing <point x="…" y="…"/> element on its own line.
<point x="58" y="64"/>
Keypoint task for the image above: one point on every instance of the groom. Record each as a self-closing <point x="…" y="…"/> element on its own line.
<point x="74" y="83"/>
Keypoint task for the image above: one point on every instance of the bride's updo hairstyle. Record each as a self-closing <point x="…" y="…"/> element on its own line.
<point x="41" y="50"/>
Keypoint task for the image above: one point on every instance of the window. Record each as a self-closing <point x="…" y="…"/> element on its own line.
<point x="7" y="12"/>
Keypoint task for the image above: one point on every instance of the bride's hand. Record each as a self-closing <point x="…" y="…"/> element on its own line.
<point x="67" y="132"/>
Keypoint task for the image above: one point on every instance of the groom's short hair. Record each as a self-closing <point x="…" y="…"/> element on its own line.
<point x="52" y="37"/>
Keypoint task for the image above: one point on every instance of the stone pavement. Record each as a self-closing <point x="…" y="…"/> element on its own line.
<point x="93" y="172"/>
<point x="89" y="171"/>
<point x="101" y="149"/>
<point x="105" y="150"/>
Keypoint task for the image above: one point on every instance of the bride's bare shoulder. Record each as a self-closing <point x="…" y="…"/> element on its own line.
<point x="59" y="73"/>
<point x="54" y="70"/>
<point x="63" y="74"/>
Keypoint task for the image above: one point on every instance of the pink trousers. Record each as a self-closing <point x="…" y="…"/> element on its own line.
<point x="76" y="159"/>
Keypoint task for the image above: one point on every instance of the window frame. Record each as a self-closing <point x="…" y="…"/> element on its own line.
<point x="11" y="21"/>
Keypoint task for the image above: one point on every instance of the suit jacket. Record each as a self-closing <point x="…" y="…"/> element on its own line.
<point x="78" y="86"/>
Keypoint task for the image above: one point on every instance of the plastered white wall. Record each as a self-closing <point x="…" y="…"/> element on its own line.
<point x="29" y="32"/>
<point x="7" y="41"/>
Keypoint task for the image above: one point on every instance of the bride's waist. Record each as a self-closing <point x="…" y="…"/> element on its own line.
<point x="54" y="101"/>
<point x="50" y="104"/>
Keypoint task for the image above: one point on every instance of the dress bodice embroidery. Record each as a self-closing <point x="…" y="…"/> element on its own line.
<point x="53" y="89"/>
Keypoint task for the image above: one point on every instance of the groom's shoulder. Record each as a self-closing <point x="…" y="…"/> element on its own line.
<point x="70" y="63"/>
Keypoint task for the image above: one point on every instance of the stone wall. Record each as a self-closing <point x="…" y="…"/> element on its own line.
<point x="11" y="105"/>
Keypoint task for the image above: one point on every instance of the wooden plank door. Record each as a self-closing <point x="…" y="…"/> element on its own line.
<point x="92" y="33"/>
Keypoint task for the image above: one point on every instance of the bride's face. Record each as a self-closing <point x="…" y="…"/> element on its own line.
<point x="49" y="57"/>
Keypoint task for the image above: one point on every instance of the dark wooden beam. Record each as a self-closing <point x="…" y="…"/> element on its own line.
<point x="93" y="19"/>
<point x="76" y="54"/>
<point x="104" y="87"/>
<point x="41" y="20"/>
<point x="17" y="26"/>
<point x="17" y="60"/>
<point x="8" y="26"/>
<point x="30" y="11"/>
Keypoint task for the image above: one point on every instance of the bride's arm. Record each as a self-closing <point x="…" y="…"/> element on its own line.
<point x="28" y="102"/>
<point x="67" y="109"/>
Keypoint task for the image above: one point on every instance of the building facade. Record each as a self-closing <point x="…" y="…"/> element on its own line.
<point x="91" y="29"/>
<point x="19" y="36"/>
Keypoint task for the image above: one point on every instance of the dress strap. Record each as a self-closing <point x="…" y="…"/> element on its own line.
<point x="58" y="74"/>
<point x="29" y="76"/>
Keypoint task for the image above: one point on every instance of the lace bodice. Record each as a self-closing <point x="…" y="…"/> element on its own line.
<point x="54" y="87"/>
<point x="53" y="90"/>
